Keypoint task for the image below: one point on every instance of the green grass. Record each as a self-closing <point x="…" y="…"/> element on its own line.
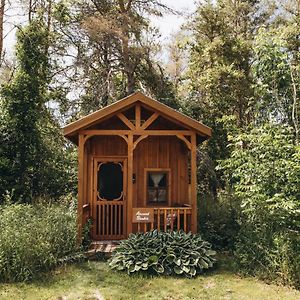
<point x="90" y="280"/>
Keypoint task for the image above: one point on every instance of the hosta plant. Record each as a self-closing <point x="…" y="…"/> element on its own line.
<point x="168" y="253"/>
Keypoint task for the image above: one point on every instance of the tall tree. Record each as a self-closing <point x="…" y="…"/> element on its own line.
<point x="2" y="10"/>
<point x="32" y="149"/>
<point x="220" y="88"/>
<point x="177" y="61"/>
<point x="114" y="48"/>
<point x="276" y="68"/>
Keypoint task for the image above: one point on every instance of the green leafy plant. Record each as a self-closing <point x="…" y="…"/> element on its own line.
<point x="35" y="238"/>
<point x="86" y="234"/>
<point x="168" y="253"/>
<point x="264" y="173"/>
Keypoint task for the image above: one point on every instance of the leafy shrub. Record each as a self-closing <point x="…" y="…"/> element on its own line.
<point x="264" y="172"/>
<point x="86" y="234"/>
<point x="218" y="220"/>
<point x="272" y="256"/>
<point x="169" y="253"/>
<point x="34" y="238"/>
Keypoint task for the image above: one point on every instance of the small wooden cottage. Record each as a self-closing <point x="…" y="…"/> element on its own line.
<point x="137" y="168"/>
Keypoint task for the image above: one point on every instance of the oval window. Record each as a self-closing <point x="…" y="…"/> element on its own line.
<point x="110" y="181"/>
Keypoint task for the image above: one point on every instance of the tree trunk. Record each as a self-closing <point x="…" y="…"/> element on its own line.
<point x="128" y="68"/>
<point x="2" y="8"/>
<point x="30" y="10"/>
<point x="295" y="108"/>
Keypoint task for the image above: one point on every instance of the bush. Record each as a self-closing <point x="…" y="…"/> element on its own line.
<point x="218" y="220"/>
<point x="270" y="255"/>
<point x="264" y="173"/>
<point x="34" y="238"/>
<point x="169" y="253"/>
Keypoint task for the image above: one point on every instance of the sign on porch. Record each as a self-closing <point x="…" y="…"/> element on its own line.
<point x="142" y="215"/>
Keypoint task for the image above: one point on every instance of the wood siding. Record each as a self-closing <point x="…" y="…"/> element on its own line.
<point x="161" y="152"/>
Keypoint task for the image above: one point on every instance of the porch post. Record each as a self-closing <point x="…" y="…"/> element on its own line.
<point x="80" y="187"/>
<point x="194" y="182"/>
<point x="129" y="184"/>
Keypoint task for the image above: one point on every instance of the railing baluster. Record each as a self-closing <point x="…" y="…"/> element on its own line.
<point x="165" y="220"/>
<point x="178" y="219"/>
<point x="171" y="220"/>
<point x="106" y="219"/>
<point x="158" y="219"/>
<point x="111" y="219"/>
<point x="97" y="218"/>
<point x="115" y="218"/>
<point x="184" y="219"/>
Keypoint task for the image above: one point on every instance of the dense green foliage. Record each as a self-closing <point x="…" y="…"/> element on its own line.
<point x="218" y="221"/>
<point x="33" y="158"/>
<point x="246" y="87"/>
<point x="169" y="253"/>
<point x="264" y="171"/>
<point x="35" y="238"/>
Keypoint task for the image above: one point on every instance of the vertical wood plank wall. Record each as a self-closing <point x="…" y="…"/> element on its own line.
<point x="153" y="152"/>
<point x="162" y="152"/>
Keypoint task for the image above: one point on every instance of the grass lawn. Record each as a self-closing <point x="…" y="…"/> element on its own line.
<point x="94" y="280"/>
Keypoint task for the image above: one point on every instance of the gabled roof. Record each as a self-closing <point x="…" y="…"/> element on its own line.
<point x="71" y="130"/>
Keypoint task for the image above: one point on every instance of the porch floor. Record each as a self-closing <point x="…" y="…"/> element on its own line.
<point x="101" y="248"/>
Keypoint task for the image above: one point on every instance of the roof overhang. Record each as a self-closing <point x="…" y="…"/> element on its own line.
<point x="71" y="130"/>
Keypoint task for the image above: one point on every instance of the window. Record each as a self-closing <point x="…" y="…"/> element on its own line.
<point x="110" y="181"/>
<point x="157" y="186"/>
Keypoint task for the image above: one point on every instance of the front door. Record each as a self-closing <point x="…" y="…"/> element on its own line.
<point x="109" y="193"/>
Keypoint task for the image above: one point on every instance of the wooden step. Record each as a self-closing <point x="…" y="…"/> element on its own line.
<point x="101" y="249"/>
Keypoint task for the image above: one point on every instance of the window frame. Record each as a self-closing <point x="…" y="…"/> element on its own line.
<point x="158" y="170"/>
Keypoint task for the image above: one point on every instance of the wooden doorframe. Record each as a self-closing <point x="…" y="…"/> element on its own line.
<point x="96" y="160"/>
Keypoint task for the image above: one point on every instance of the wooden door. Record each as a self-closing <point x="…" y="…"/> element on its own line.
<point x="109" y="198"/>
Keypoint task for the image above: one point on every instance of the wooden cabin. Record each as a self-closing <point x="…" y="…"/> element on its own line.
<point x="137" y="168"/>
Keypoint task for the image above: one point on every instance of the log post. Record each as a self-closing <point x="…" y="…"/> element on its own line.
<point x="194" y="182"/>
<point x="130" y="185"/>
<point x="80" y="188"/>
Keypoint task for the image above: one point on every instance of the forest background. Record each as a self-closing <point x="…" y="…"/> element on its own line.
<point x="234" y="65"/>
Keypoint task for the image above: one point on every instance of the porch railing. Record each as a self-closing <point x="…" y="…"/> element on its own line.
<point x="109" y="221"/>
<point x="168" y="218"/>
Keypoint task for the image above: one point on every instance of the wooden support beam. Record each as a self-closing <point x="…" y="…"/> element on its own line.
<point x="162" y="132"/>
<point x="124" y="119"/>
<point x="80" y="188"/>
<point x="186" y="141"/>
<point x="129" y="184"/>
<point x="137" y="98"/>
<point x="194" y="183"/>
<point x="150" y="120"/>
<point x="137" y="132"/>
<point x="142" y="137"/>
<point x="138" y="116"/>
<point x="123" y="137"/>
